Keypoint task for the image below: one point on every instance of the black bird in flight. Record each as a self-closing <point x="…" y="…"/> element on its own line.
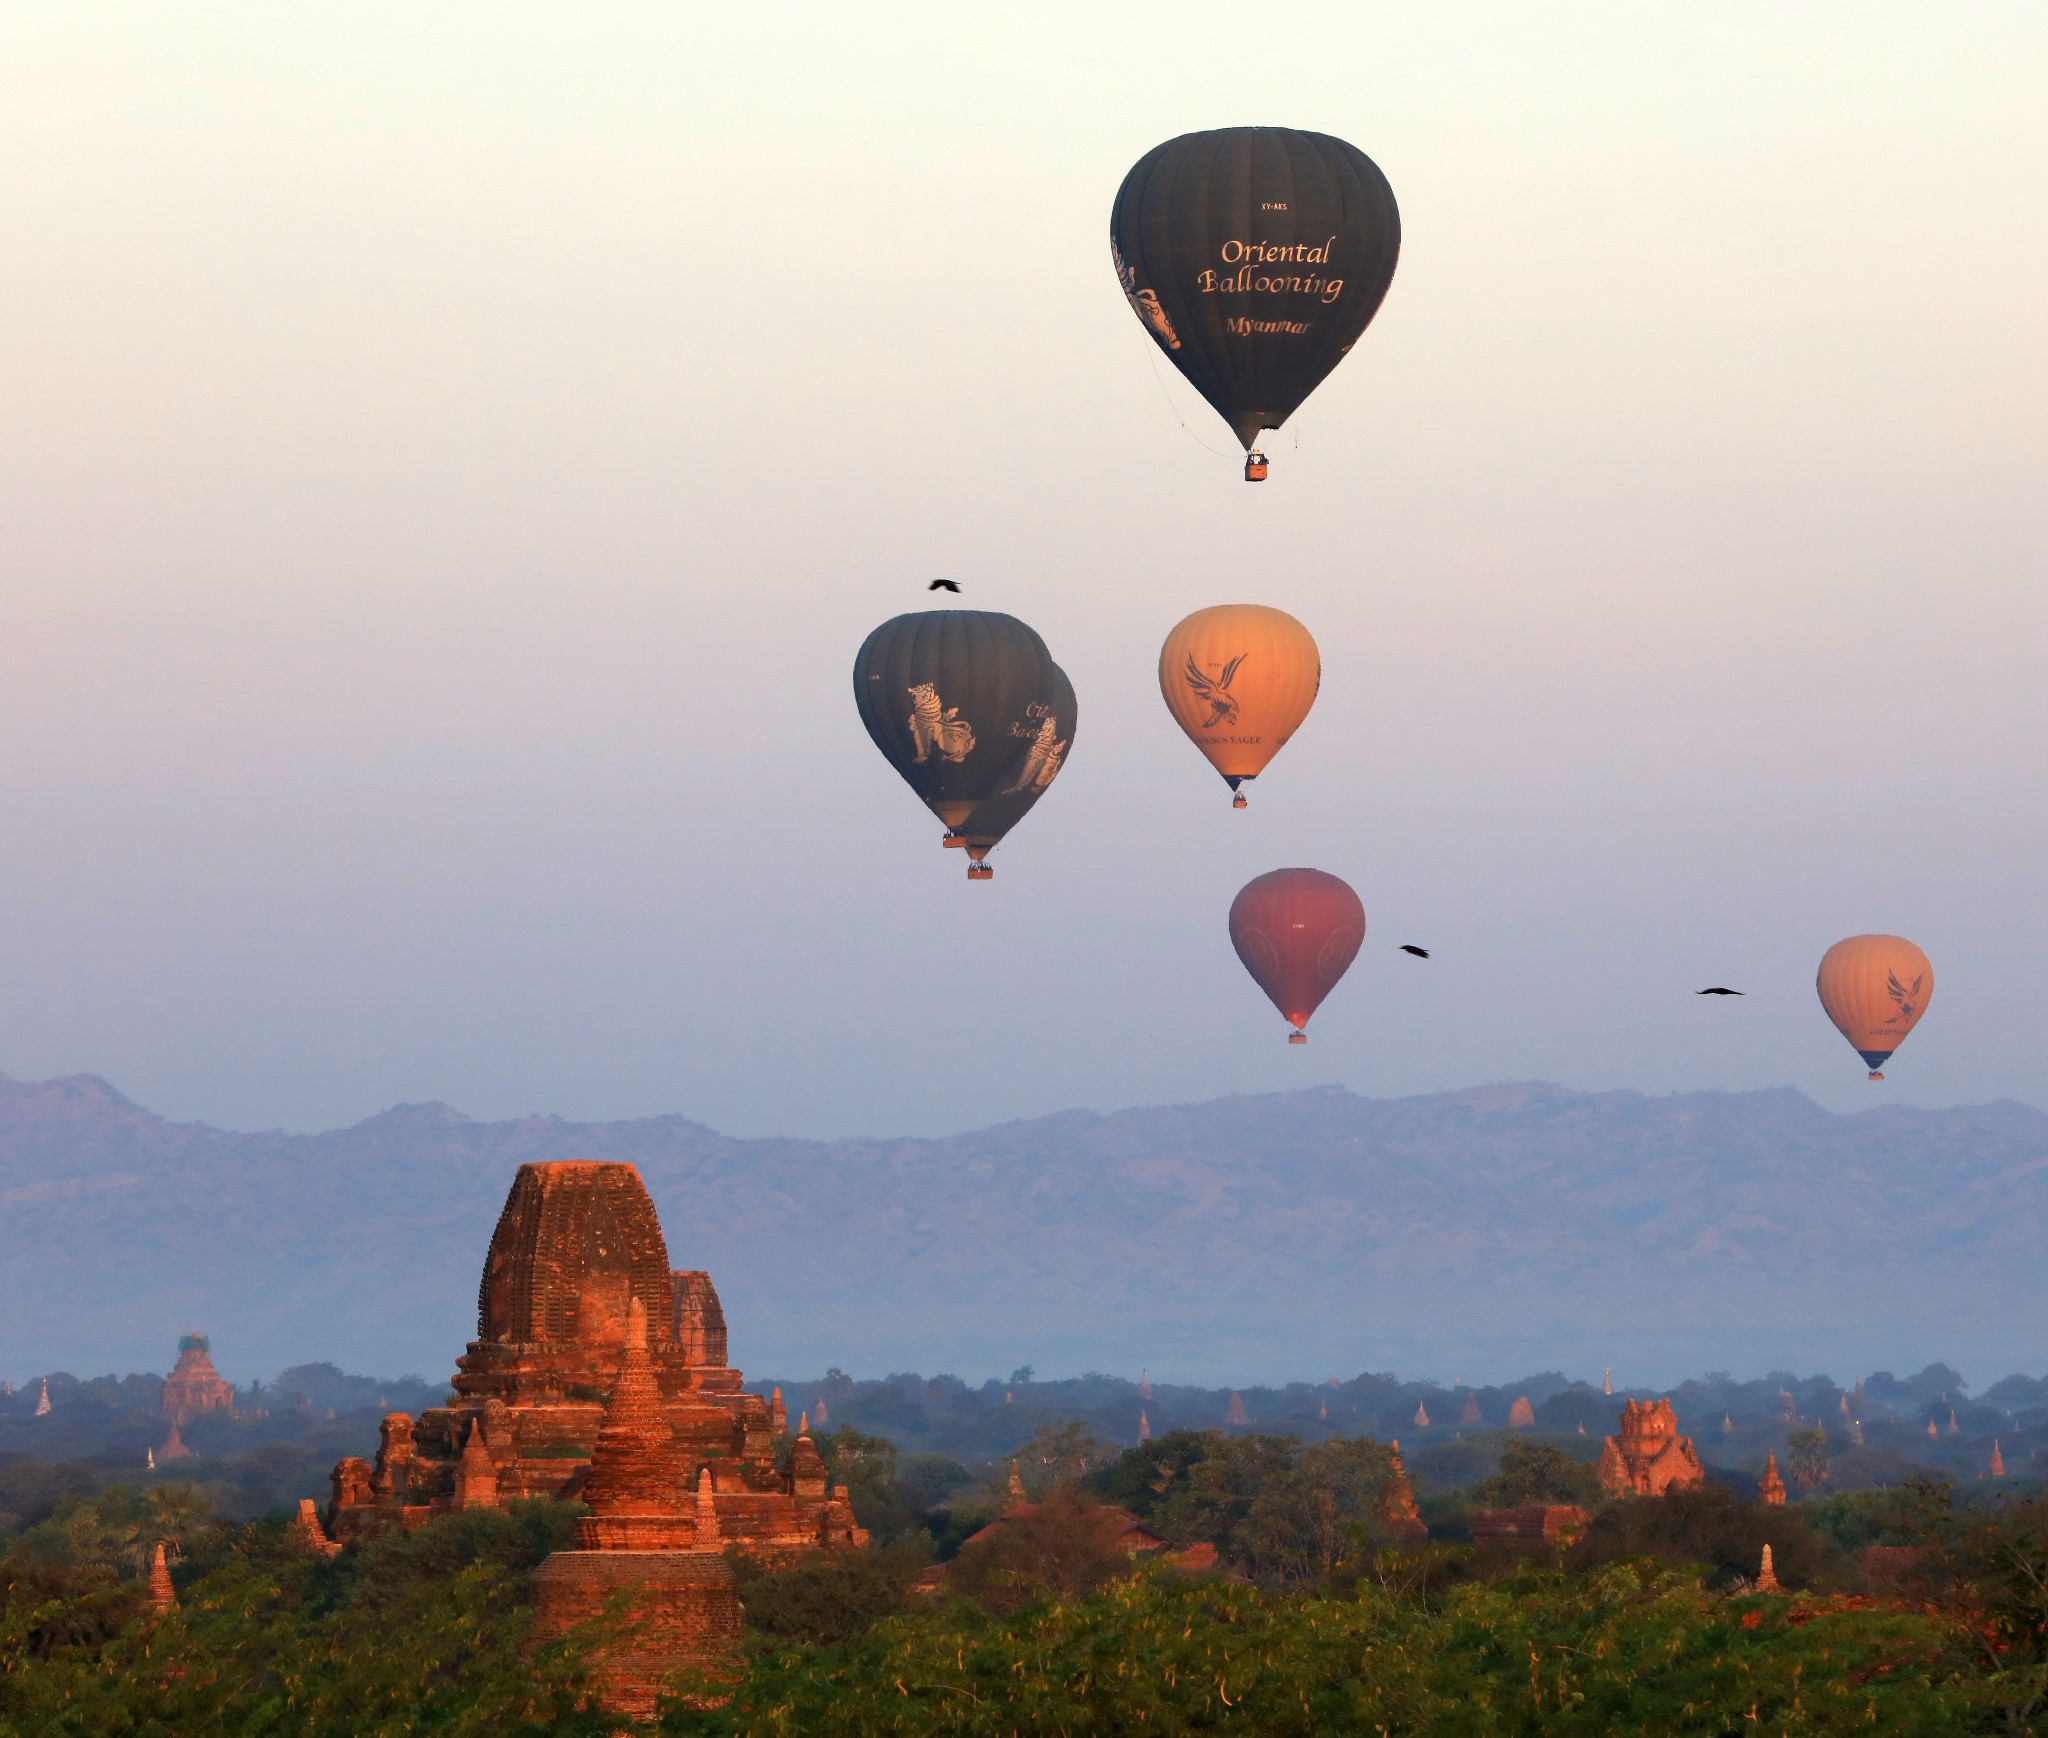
<point x="1421" y="953"/>
<point x="1718" y="991"/>
<point x="942" y="585"/>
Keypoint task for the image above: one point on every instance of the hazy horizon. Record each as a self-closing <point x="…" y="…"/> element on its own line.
<point x="453" y="458"/>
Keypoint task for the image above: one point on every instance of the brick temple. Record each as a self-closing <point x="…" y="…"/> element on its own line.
<point x="1648" y="1457"/>
<point x="577" y="1257"/>
<point x="195" y="1386"/>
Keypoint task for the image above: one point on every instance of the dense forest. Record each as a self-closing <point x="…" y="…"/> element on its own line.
<point x="1911" y="1606"/>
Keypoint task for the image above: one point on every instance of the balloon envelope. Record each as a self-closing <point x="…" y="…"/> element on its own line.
<point x="947" y="696"/>
<point x="1051" y="725"/>
<point x="1297" y="931"/>
<point x="1875" y="988"/>
<point x="1239" y="679"/>
<point x="1255" y="256"/>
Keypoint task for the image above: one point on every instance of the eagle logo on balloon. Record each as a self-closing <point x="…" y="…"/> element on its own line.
<point x="1907" y="999"/>
<point x="1222" y="703"/>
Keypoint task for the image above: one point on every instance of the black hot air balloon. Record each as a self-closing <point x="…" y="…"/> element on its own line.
<point x="1255" y="256"/>
<point x="1050" y="725"/>
<point x="956" y="701"/>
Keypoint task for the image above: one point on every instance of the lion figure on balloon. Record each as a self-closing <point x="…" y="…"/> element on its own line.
<point x="934" y="725"/>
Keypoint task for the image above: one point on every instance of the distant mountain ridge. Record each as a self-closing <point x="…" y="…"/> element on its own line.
<point x="1471" y="1233"/>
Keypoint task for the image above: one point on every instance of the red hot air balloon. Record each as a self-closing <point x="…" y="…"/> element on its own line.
<point x="1297" y="931"/>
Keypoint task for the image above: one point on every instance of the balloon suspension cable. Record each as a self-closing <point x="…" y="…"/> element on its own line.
<point x="1152" y="356"/>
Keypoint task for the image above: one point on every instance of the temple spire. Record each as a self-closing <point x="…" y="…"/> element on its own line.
<point x="1766" y="1576"/>
<point x="161" y="1593"/>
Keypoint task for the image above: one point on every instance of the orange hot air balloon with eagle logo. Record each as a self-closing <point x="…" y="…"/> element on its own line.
<point x="1297" y="932"/>
<point x="1239" y="678"/>
<point x="1875" y="988"/>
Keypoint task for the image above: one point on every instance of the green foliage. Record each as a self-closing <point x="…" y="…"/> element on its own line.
<point x="270" y="1642"/>
<point x="931" y="1478"/>
<point x="1806" y="1457"/>
<point x="118" y="1528"/>
<point x="1632" y="1648"/>
<point x="1538" y="1472"/>
<point x="1707" y="1525"/>
<point x="1056" y="1457"/>
<point x="832" y="1597"/>
<point x="1276" y="1511"/>
<point x="1062" y="1547"/>
<point x="1141" y="1478"/>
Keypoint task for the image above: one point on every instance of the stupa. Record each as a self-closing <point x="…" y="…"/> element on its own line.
<point x="1649" y="1457"/>
<point x="195" y="1386"/>
<point x="640" y="1540"/>
<point x="1521" y="1415"/>
<point x="161" y="1593"/>
<point x="1471" y="1412"/>
<point x="1397" y="1507"/>
<point x="1234" y="1413"/>
<point x="1771" y="1488"/>
<point x="577" y="1252"/>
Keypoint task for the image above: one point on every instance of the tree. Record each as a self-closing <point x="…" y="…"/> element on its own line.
<point x="1328" y="1503"/>
<point x="1056" y="1456"/>
<point x="1063" y="1547"/>
<point x="1538" y="1472"/>
<point x="1806" y="1456"/>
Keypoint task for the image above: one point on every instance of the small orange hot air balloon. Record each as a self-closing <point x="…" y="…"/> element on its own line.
<point x="1875" y="988"/>
<point x="1297" y="931"/>
<point x="1239" y="679"/>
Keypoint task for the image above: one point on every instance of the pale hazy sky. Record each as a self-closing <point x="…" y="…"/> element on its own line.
<point x="450" y="456"/>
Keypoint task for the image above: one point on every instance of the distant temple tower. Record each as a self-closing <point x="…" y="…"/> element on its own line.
<point x="1398" y="1508"/>
<point x="1649" y="1457"/>
<point x="1235" y="1413"/>
<point x="1521" y="1415"/>
<point x="1471" y="1410"/>
<point x="1144" y="1386"/>
<point x="195" y="1385"/>
<point x="1421" y="1418"/>
<point x="1767" y="1577"/>
<point x="1771" y="1488"/>
<point x="1607" y="1380"/>
<point x="1997" y="1460"/>
<point x="43" y="1400"/>
<point x="1144" y="1426"/>
<point x="161" y="1594"/>
<point x="1727" y="1425"/>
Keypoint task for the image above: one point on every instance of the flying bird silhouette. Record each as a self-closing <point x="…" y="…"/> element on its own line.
<point x="1421" y="953"/>
<point x="1718" y="991"/>
<point x="942" y="585"/>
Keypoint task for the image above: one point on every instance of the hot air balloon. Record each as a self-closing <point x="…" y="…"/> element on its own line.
<point x="1297" y="931"/>
<point x="1050" y="724"/>
<point x="1875" y="988"/>
<point x="1255" y="257"/>
<point x="1239" y="679"/>
<point x="956" y="700"/>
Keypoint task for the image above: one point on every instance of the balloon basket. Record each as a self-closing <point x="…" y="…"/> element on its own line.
<point x="980" y="872"/>
<point x="954" y="842"/>
<point x="1238" y="801"/>
<point x="1877" y="1074"/>
<point x="1255" y="467"/>
<point x="1297" y="1037"/>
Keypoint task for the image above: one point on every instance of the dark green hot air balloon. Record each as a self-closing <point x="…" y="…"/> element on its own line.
<point x="957" y="702"/>
<point x="1255" y="256"/>
<point x="1050" y="725"/>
